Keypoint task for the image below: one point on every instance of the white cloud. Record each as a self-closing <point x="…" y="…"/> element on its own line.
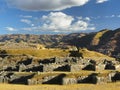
<point x="32" y="25"/>
<point x="110" y="16"/>
<point x="101" y="1"/>
<point x="25" y="21"/>
<point x="33" y="29"/>
<point x="113" y="16"/>
<point x="28" y="29"/>
<point x="66" y="23"/>
<point x="87" y="18"/>
<point x="10" y="29"/>
<point x="57" y="20"/>
<point x="118" y="16"/>
<point x="80" y="17"/>
<point x="27" y="16"/>
<point x="79" y="25"/>
<point x="61" y="22"/>
<point x="37" y="5"/>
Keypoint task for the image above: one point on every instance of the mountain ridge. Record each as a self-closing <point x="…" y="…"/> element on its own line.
<point x="104" y="41"/>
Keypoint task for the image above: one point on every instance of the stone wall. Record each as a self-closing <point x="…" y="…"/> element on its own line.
<point x="50" y="67"/>
<point x="24" y="64"/>
<point x="100" y="67"/>
<point x="67" y="81"/>
<point x="76" y="67"/>
<point x="51" y="64"/>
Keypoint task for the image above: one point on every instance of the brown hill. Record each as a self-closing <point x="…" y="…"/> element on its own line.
<point x="47" y="40"/>
<point x="105" y="41"/>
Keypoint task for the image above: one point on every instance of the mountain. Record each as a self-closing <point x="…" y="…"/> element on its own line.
<point x="47" y="40"/>
<point x="105" y="41"/>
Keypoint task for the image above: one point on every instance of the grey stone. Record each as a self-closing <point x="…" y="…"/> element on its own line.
<point x="67" y="81"/>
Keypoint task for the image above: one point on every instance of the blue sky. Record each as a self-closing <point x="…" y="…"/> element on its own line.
<point x="58" y="16"/>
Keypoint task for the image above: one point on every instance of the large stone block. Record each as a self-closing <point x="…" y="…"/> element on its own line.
<point x="100" y="67"/>
<point x="50" y="67"/>
<point x="76" y="67"/>
<point x="67" y="81"/>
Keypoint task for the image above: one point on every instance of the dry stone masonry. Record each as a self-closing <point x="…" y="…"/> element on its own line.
<point x="25" y="69"/>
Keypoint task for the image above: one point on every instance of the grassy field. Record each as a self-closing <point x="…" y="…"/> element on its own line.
<point x="41" y="53"/>
<point x="49" y="53"/>
<point x="110" y="86"/>
<point x="94" y="55"/>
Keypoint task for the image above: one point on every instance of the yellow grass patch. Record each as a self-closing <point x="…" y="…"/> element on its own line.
<point x="110" y="86"/>
<point x="41" y="53"/>
<point x="97" y="37"/>
<point x="50" y="53"/>
<point x="94" y="55"/>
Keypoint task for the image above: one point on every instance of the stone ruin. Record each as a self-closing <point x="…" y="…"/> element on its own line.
<point x="11" y="64"/>
<point x="63" y="79"/>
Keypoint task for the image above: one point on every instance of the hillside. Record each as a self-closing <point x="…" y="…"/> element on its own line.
<point x="51" y="53"/>
<point x="94" y="55"/>
<point x="47" y="40"/>
<point x="105" y="41"/>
